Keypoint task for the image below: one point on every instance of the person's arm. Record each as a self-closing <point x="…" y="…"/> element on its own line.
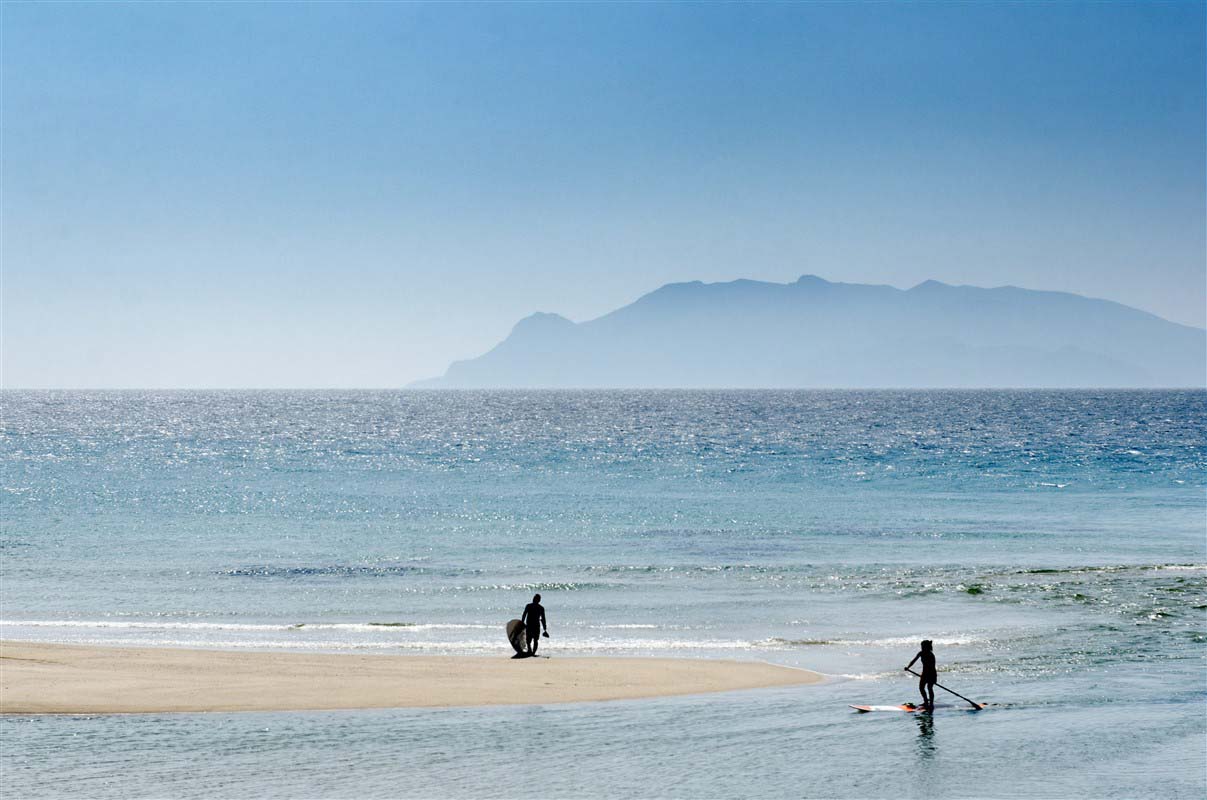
<point x="543" y="625"/>
<point x="911" y="663"/>
<point x="524" y="617"/>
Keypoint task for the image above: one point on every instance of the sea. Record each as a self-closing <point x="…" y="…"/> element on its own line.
<point x="1052" y="544"/>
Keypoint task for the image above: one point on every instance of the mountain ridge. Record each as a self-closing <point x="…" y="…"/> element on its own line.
<point x="815" y="333"/>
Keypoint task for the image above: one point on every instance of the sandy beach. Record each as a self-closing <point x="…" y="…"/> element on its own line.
<point x="73" y="679"/>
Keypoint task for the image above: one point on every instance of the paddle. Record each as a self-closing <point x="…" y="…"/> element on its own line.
<point x="975" y="705"/>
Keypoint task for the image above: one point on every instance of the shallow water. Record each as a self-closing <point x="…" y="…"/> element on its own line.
<point x="1051" y="543"/>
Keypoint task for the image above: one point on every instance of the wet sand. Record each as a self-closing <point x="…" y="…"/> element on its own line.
<point x="77" y="679"/>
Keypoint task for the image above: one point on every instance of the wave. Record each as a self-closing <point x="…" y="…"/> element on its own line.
<point x="686" y="568"/>
<point x="864" y="676"/>
<point x="339" y="570"/>
<point x="244" y="626"/>
<point x="1113" y="568"/>
<point x="386" y="628"/>
<point x="493" y="645"/>
<point x="894" y="641"/>
<point x="540" y="586"/>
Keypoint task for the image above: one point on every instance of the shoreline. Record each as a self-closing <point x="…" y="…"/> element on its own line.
<point x="40" y="678"/>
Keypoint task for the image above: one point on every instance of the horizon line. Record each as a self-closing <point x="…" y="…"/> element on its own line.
<point x="604" y="389"/>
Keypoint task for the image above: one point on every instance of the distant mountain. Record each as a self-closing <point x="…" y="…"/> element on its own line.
<point x="814" y="333"/>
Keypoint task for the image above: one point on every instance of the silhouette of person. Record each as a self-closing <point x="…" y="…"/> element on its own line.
<point x="930" y="673"/>
<point x="534" y="620"/>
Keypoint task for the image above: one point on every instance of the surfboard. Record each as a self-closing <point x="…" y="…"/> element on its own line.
<point x="910" y="709"/>
<point x="515" y="635"/>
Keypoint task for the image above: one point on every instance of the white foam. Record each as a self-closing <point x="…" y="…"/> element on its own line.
<point x="907" y="641"/>
<point x="386" y="636"/>
<point x="340" y="636"/>
<point x="64" y="623"/>
<point x="863" y="676"/>
<point x="369" y="627"/>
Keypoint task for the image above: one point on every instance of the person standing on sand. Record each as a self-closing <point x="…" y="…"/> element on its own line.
<point x="930" y="673"/>
<point x="534" y="620"/>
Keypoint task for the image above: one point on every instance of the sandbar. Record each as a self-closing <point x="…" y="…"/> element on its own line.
<point x="37" y="678"/>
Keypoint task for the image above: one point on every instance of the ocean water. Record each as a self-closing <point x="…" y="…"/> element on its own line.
<point x="1052" y="544"/>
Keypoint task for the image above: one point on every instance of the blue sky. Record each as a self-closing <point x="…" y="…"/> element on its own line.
<point x="320" y="195"/>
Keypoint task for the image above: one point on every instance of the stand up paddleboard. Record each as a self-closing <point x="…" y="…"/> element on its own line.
<point x="911" y="708"/>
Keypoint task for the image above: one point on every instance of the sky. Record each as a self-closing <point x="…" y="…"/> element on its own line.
<point x="354" y="195"/>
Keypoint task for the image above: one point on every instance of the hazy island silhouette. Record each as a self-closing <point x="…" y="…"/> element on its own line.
<point x="814" y="333"/>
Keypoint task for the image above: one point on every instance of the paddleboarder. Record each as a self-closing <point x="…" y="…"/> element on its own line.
<point x="534" y="620"/>
<point x="930" y="673"/>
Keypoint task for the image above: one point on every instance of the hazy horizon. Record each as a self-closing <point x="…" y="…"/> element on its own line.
<point x="355" y="196"/>
<point x="419" y="384"/>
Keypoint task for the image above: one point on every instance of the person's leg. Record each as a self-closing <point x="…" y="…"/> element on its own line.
<point x="922" y="689"/>
<point x="533" y="641"/>
<point x="930" y="694"/>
